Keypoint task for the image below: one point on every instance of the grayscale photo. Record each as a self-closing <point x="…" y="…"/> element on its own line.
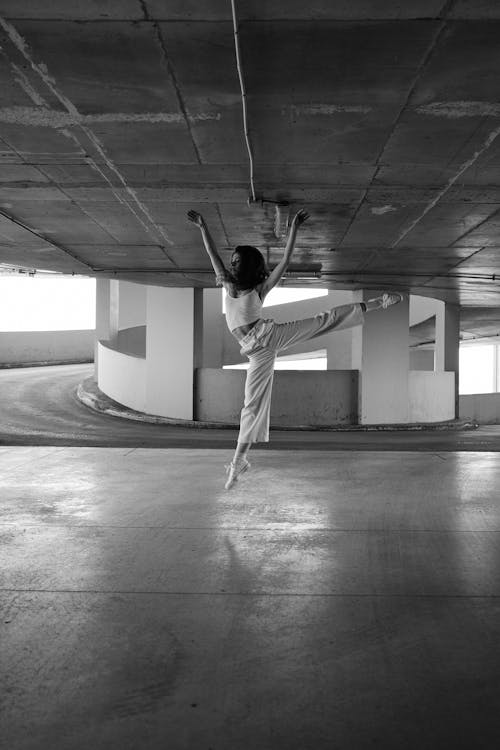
<point x="249" y="374"/>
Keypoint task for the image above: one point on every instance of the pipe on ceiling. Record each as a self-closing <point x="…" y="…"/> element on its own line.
<point x="243" y="98"/>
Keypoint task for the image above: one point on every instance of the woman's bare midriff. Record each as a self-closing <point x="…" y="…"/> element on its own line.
<point x="242" y="331"/>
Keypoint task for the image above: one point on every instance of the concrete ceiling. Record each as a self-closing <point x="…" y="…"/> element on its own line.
<point x="381" y="117"/>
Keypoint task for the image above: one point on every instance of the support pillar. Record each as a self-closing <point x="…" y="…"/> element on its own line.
<point x="209" y="328"/>
<point x="132" y="307"/>
<point x="381" y="353"/>
<point x="107" y="314"/>
<point x="448" y="343"/>
<point x="339" y="344"/>
<point x="169" y="352"/>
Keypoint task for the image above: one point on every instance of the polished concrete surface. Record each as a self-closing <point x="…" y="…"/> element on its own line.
<point x="333" y="599"/>
<point x="38" y="406"/>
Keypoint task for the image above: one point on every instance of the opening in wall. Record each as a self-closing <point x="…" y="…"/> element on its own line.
<point x="479" y="368"/>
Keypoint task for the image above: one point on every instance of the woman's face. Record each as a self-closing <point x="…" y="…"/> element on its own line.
<point x="236" y="261"/>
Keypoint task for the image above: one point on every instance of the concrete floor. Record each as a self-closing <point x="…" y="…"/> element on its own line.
<point x="332" y="600"/>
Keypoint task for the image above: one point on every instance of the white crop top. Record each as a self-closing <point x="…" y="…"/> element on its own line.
<point x="240" y="311"/>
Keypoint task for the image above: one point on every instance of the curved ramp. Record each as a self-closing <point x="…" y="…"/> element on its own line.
<point x="39" y="406"/>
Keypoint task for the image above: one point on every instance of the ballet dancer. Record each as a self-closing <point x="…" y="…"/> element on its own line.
<point x="247" y="283"/>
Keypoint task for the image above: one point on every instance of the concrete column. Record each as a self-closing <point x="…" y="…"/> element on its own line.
<point x="208" y="335"/>
<point x="209" y="328"/>
<point x="422" y="359"/>
<point x="339" y="344"/>
<point x="197" y="328"/>
<point x="448" y="343"/>
<point x="114" y="310"/>
<point x="169" y="352"/>
<point x="132" y="305"/>
<point x="382" y="354"/>
<point x="107" y="312"/>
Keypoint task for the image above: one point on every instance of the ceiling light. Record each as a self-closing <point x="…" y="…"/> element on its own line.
<point x="302" y="275"/>
<point x="281" y="216"/>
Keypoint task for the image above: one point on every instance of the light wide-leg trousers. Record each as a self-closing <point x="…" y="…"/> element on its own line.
<point x="261" y="346"/>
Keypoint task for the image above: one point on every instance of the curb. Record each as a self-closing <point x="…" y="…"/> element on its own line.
<point x="44" y="363"/>
<point x="93" y="398"/>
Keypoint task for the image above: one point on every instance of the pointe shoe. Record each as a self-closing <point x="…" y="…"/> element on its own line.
<point x="234" y="471"/>
<point x="389" y="299"/>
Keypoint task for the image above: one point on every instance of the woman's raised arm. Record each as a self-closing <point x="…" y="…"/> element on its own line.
<point x="277" y="272"/>
<point x="217" y="263"/>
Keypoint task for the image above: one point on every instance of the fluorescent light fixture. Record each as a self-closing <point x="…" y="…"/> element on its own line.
<point x="302" y="275"/>
<point x="281" y="217"/>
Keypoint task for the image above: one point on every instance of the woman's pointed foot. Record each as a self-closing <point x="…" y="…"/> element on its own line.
<point x="234" y="471"/>
<point x="391" y="298"/>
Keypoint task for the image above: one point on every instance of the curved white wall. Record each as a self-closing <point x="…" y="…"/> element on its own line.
<point x="150" y="368"/>
<point x="122" y="377"/>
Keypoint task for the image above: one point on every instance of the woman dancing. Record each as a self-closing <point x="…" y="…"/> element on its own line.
<point x="247" y="284"/>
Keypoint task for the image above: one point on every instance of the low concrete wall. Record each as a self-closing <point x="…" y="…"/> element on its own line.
<point x="431" y="396"/>
<point x="483" y="407"/>
<point x="299" y="397"/>
<point x="122" y="377"/>
<point x="40" y="347"/>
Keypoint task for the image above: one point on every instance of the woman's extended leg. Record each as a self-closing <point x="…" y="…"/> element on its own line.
<point x="284" y="335"/>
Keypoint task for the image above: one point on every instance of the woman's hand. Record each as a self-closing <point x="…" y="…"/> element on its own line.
<point x="196" y="218"/>
<point x="299" y="218"/>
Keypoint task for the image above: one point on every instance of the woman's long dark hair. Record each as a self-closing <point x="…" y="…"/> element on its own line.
<point x="252" y="270"/>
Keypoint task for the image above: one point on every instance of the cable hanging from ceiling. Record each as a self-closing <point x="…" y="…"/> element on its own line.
<point x="243" y="98"/>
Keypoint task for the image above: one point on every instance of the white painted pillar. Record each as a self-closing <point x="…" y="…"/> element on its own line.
<point x="197" y="328"/>
<point x="169" y="352"/>
<point x="209" y="329"/>
<point x="422" y="359"/>
<point x="114" y="310"/>
<point x="448" y="343"/>
<point x="382" y="353"/>
<point x="107" y="311"/>
<point x="439" y="344"/>
<point x="339" y="344"/>
<point x="132" y="305"/>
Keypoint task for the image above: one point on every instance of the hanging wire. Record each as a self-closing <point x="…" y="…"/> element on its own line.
<point x="243" y="97"/>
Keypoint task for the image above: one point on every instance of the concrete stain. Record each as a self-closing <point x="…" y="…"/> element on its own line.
<point x="380" y="210"/>
<point x="41" y="69"/>
<point x="146" y="699"/>
<point x="328" y="109"/>
<point x="455" y="110"/>
<point x="25" y="84"/>
<point x="141" y="694"/>
<point x="7" y="536"/>
<point x="492" y="136"/>
<point x="49" y="118"/>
